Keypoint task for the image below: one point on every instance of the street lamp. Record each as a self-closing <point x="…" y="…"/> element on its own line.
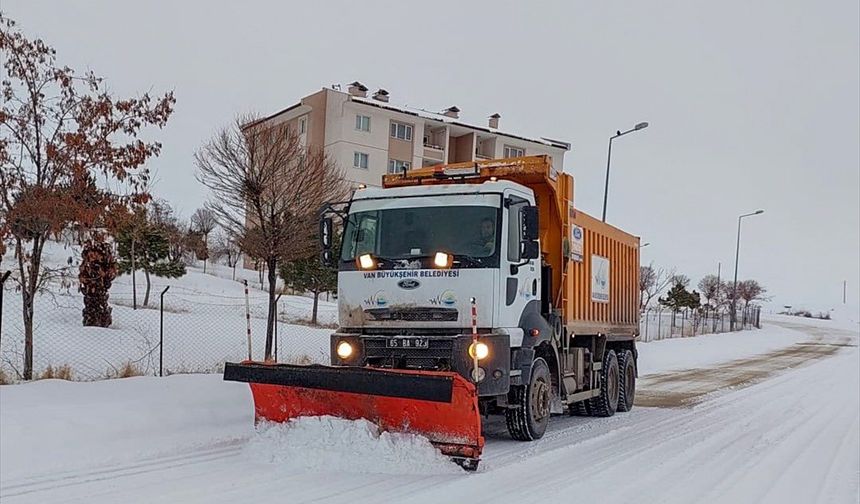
<point x="737" y="256"/>
<point x="618" y="133"/>
<point x="644" y="245"/>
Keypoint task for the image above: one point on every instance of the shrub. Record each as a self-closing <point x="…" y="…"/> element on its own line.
<point x="128" y="370"/>
<point x="63" y="372"/>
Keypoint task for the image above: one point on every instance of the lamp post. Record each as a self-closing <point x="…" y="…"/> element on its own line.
<point x="618" y="133"/>
<point x="737" y="256"/>
<point x="644" y="245"/>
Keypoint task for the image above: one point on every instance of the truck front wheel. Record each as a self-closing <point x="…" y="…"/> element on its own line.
<point x="527" y="420"/>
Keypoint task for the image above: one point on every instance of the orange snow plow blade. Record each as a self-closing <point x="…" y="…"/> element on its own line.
<point x="442" y="406"/>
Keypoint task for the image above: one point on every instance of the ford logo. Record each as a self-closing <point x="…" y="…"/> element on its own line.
<point x="408" y="284"/>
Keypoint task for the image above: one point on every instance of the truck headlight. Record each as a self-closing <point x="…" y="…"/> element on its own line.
<point x="479" y="350"/>
<point x="365" y="261"/>
<point x="442" y="260"/>
<point x="344" y="350"/>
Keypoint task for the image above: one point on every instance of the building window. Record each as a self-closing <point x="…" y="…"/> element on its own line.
<point x="397" y="166"/>
<point x="360" y="160"/>
<point x="514" y="151"/>
<point x="303" y="125"/>
<point x="362" y="123"/>
<point x="401" y="131"/>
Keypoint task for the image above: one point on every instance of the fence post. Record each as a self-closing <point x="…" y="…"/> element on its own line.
<point x="161" y="334"/>
<point x="646" y="324"/>
<point x="275" y="328"/>
<point x="248" y="317"/>
<point x="2" y="288"/>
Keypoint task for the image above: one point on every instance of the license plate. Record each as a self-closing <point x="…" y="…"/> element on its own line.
<point x="408" y="343"/>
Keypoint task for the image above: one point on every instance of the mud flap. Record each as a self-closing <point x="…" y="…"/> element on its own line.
<point x="442" y="406"/>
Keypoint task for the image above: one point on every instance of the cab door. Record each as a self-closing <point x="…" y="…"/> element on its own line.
<point x="519" y="283"/>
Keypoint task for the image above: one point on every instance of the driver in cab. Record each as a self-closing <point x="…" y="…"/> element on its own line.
<point x="485" y="243"/>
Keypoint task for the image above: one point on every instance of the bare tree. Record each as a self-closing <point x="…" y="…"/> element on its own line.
<point x="749" y="291"/>
<point x="647" y="278"/>
<point x="726" y="294"/>
<point x="203" y="220"/>
<point x="268" y="189"/>
<point x="652" y="282"/>
<point x="223" y="245"/>
<point x="709" y="286"/>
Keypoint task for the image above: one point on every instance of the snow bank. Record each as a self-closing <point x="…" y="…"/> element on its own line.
<point x="846" y="318"/>
<point x="708" y="350"/>
<point x="59" y="425"/>
<point x="330" y="444"/>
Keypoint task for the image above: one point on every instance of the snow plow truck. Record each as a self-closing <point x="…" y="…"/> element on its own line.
<point x="467" y="290"/>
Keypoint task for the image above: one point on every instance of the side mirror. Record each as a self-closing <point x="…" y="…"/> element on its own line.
<point x="530" y="228"/>
<point x="327" y="258"/>
<point x="326" y="233"/>
<point x="529" y="250"/>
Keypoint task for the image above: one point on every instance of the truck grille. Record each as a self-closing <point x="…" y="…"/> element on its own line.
<point x="438" y="355"/>
<point x="414" y="314"/>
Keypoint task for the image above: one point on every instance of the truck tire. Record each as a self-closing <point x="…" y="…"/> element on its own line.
<point x="579" y="409"/>
<point x="626" y="380"/>
<point x="528" y="419"/>
<point x="605" y="404"/>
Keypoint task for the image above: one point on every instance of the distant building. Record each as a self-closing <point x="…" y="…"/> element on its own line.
<point x="370" y="136"/>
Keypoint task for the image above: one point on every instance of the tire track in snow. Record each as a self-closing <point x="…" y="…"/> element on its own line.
<point x="71" y="478"/>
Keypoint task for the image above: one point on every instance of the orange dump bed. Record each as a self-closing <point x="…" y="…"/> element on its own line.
<point x="595" y="266"/>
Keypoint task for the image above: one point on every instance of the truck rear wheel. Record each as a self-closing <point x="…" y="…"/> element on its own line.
<point x="579" y="408"/>
<point x="626" y="380"/>
<point x="605" y="404"/>
<point x="528" y="420"/>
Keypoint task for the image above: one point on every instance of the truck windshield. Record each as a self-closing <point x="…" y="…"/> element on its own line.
<point x="470" y="233"/>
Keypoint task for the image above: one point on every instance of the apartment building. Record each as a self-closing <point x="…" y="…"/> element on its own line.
<point x="369" y="135"/>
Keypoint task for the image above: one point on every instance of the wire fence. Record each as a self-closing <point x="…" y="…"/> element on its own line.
<point x="658" y="324"/>
<point x="181" y="330"/>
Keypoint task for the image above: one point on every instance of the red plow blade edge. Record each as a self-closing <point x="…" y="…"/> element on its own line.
<point x="441" y="406"/>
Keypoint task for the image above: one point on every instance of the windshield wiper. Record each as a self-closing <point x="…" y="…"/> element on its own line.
<point x="467" y="260"/>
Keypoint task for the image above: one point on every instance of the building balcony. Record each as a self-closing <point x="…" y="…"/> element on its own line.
<point x="434" y="152"/>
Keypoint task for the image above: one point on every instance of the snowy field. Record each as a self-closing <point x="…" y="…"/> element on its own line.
<point x="776" y="418"/>
<point x="204" y="324"/>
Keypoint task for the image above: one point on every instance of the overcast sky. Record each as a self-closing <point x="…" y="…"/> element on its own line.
<point x="751" y="104"/>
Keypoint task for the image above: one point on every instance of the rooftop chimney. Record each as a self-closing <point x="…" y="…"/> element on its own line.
<point x="358" y="89"/>
<point x="494" y="121"/>
<point x="381" y="95"/>
<point x="453" y="112"/>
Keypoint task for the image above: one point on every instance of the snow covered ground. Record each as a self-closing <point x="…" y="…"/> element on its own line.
<point x="204" y="323"/>
<point x="777" y="420"/>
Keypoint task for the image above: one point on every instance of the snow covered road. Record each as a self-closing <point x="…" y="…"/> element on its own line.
<point x="777" y="419"/>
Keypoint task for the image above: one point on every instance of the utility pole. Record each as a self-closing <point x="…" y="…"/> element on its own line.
<point x="737" y="256"/>
<point x="618" y="133"/>
<point x="844" y="291"/>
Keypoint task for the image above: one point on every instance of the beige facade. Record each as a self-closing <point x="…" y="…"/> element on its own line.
<point x="368" y="136"/>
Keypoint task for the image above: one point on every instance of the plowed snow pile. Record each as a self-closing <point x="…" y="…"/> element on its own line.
<point x="329" y="444"/>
